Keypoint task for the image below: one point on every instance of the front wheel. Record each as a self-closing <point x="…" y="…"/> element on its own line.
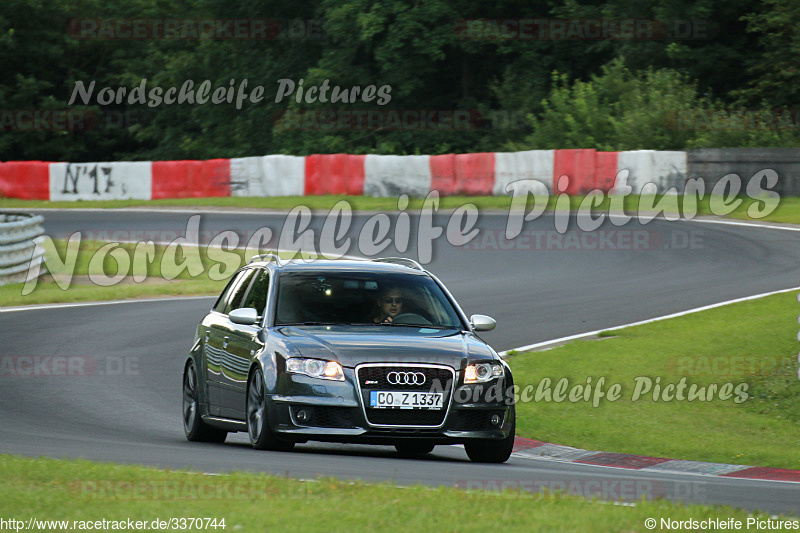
<point x="493" y="451"/>
<point x="193" y="426"/>
<point x="261" y="435"/>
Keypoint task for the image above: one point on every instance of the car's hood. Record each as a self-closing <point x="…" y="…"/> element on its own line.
<point x="353" y="345"/>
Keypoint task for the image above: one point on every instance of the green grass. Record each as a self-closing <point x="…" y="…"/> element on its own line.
<point x="788" y="209"/>
<point x="53" y="489"/>
<point x="324" y="202"/>
<point x="702" y="347"/>
<point x="55" y="287"/>
<point x="49" y="292"/>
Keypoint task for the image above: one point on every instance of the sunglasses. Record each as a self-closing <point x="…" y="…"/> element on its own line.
<point x="389" y="299"/>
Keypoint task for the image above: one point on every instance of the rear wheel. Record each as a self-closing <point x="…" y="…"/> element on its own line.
<point x="493" y="451"/>
<point x="410" y="449"/>
<point x="193" y="426"/>
<point x="261" y="435"/>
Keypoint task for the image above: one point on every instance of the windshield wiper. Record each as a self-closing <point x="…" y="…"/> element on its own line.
<point x="420" y="326"/>
<point x="311" y="324"/>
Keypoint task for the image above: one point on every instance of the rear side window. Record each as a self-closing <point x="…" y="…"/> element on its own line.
<point x="238" y="283"/>
<point x="257" y="297"/>
<point x="238" y="291"/>
<point x="219" y="306"/>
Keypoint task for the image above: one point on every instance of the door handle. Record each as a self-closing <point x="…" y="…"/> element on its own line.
<point x="207" y="336"/>
<point x="225" y="342"/>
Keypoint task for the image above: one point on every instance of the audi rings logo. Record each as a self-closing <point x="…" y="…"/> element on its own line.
<point x="406" y="378"/>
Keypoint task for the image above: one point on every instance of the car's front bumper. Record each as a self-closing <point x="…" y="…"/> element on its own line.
<point x="334" y="411"/>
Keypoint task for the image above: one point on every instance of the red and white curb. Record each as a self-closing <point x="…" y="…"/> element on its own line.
<point x="534" y="449"/>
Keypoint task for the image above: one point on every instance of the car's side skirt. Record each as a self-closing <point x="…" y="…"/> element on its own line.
<point x="225" y="423"/>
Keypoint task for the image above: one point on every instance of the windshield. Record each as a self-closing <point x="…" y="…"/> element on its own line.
<point x="363" y="298"/>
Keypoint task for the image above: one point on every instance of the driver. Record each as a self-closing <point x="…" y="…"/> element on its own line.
<point x="390" y="304"/>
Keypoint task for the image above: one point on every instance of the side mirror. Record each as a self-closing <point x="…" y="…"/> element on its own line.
<point x="482" y="323"/>
<point x="246" y="316"/>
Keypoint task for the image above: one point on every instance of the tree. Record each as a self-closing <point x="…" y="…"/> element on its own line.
<point x="775" y="71"/>
<point x="615" y="110"/>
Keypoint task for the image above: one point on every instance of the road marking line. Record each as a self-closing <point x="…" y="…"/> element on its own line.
<point x="543" y="344"/>
<point x="88" y="304"/>
<point x="488" y="212"/>
<point x="765" y="225"/>
<point x="115" y="302"/>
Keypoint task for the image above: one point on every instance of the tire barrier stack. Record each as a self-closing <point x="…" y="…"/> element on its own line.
<point x="19" y="235"/>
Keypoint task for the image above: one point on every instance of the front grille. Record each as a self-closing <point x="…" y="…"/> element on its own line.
<point x="375" y="378"/>
<point x="406" y="417"/>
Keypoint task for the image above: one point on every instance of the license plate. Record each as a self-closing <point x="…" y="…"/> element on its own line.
<point x="406" y="400"/>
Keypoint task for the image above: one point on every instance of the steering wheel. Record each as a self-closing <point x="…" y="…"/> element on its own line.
<point x="412" y="319"/>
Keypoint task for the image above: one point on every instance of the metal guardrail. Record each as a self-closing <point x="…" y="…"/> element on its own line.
<point x="19" y="235"/>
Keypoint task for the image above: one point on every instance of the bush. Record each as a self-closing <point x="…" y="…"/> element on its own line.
<point x="616" y="110"/>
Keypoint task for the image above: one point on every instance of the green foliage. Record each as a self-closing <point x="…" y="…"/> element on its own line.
<point x="653" y="109"/>
<point x="754" y="133"/>
<point x="616" y="110"/>
<point x="79" y="490"/>
<point x="580" y="92"/>
<point x="776" y="76"/>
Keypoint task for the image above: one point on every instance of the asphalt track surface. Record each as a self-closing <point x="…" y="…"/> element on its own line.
<point x="125" y="407"/>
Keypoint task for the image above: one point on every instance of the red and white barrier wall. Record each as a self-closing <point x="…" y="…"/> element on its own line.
<point x="486" y="173"/>
<point x="271" y="175"/>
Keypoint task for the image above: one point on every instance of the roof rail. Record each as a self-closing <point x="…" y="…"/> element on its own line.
<point x="269" y="258"/>
<point x="400" y="261"/>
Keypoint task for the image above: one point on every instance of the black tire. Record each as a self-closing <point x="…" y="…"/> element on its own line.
<point x="493" y="451"/>
<point x="411" y="449"/>
<point x="193" y="426"/>
<point x="261" y="435"/>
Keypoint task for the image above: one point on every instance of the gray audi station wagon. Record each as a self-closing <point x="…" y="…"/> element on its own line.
<point x="372" y="352"/>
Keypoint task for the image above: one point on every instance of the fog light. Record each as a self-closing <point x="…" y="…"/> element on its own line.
<point x="495" y="419"/>
<point x="303" y="415"/>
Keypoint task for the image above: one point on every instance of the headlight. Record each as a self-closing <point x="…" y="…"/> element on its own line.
<point x="315" y="368"/>
<point x="483" y="372"/>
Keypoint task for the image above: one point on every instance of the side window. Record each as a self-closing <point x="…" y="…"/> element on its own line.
<point x="238" y="291"/>
<point x="257" y="297"/>
<point x="224" y="297"/>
